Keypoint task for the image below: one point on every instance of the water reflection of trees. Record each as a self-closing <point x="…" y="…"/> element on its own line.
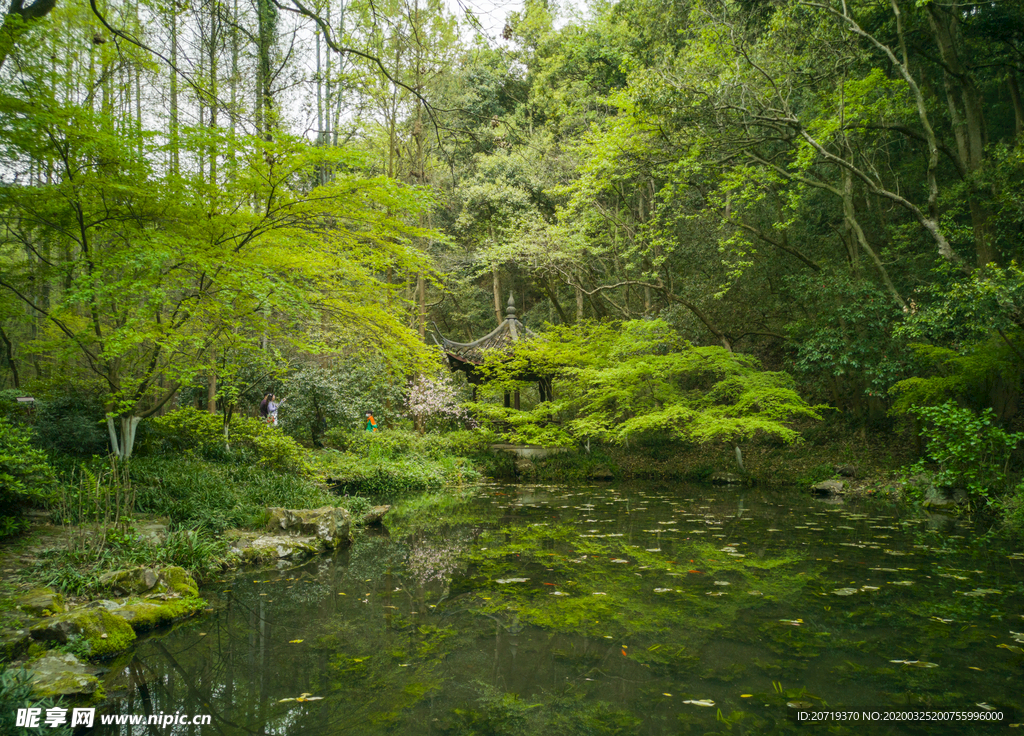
<point x="385" y="659"/>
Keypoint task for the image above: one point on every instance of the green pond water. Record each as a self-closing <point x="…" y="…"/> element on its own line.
<point x="617" y="609"/>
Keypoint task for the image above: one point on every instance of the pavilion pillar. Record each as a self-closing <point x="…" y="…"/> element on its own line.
<point x="508" y="400"/>
<point x="517" y="400"/>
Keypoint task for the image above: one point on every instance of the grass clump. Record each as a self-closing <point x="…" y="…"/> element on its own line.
<point x="196" y="493"/>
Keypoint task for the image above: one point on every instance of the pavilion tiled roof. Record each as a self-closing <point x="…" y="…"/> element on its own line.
<point x="503" y="337"/>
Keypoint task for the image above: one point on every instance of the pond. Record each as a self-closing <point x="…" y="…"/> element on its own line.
<point x="616" y="609"/>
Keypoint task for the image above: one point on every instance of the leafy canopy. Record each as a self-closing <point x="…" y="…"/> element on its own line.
<point x="640" y="379"/>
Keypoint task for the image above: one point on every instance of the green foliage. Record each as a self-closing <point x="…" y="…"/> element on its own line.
<point x="25" y="476"/>
<point x="820" y="472"/>
<point x="77" y="571"/>
<point x="968" y="374"/>
<point x="641" y="380"/>
<point x="218" y="496"/>
<point x="972" y="451"/>
<point x="847" y="345"/>
<point x="194" y="432"/>
<point x="69" y="423"/>
<point x="98" y="503"/>
<point x="385" y="475"/>
<point x="434" y="445"/>
<point x="394" y="464"/>
<point x="15" y="693"/>
<point x="974" y="328"/>
<point x="336" y="397"/>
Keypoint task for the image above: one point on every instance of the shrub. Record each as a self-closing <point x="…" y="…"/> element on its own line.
<point x="194" y="432"/>
<point x="971" y="450"/>
<point x="342" y="438"/>
<point x="388" y="478"/>
<point x="324" y="397"/>
<point x="25" y="476"/>
<point x="70" y="424"/>
<point x="395" y="443"/>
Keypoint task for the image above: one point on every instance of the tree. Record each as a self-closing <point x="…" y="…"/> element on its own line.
<point x="17" y="20"/>
<point x="641" y="380"/>
<point x="155" y="272"/>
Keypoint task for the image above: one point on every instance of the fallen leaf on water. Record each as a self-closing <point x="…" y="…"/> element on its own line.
<point x="979" y="669"/>
<point x="746" y="696"/>
<point x="663" y="590"/>
<point x="844" y="591"/>
<point x="985" y="706"/>
<point x="1011" y="648"/>
<point x="305" y="697"/>
<point x="702" y="703"/>
<point x="504" y="581"/>
<point x="295" y="641"/>
<point x="792" y="622"/>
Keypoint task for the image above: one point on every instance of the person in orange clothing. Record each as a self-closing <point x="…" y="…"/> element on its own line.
<point x="371" y="425"/>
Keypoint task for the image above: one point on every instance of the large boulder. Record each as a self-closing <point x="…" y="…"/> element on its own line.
<point x="99" y="631"/>
<point x="330" y="525"/>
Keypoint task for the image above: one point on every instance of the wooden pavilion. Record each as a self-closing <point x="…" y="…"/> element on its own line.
<point x="468" y="356"/>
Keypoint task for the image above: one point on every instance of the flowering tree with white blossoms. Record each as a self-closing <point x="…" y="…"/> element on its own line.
<point x="434" y="398"/>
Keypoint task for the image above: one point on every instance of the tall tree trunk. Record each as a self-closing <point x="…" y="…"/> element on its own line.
<point x="967" y="116"/>
<point x="15" y="382"/>
<point x="175" y="163"/>
<point x="211" y="391"/>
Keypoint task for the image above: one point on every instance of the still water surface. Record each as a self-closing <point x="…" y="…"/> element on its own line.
<point x="619" y="609"/>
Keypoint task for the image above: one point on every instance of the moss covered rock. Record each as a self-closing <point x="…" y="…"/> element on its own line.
<point x="101" y="632"/>
<point x="63" y="675"/>
<point x="173" y="581"/>
<point x="13" y="644"/>
<point x="329" y="524"/>
<point x="41" y="601"/>
<point x="146" y="615"/>
<point x="135" y="581"/>
<point x="291" y="548"/>
<point x="176" y="581"/>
